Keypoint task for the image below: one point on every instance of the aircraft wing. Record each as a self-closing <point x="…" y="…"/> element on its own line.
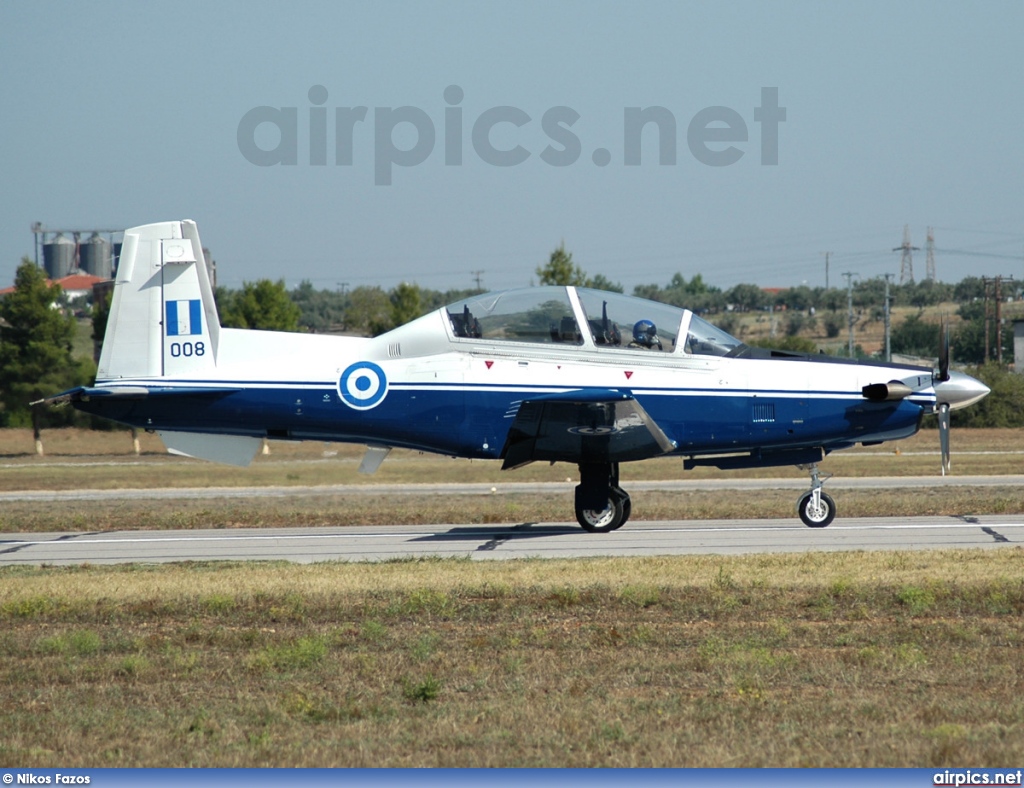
<point x="583" y="426"/>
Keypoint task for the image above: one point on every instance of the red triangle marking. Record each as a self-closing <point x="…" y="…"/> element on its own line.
<point x="629" y="374"/>
<point x="489" y="364"/>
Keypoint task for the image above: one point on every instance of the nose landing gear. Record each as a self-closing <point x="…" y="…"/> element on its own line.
<point x="816" y="508"/>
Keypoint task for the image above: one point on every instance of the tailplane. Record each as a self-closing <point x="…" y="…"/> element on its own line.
<point x="163" y="319"/>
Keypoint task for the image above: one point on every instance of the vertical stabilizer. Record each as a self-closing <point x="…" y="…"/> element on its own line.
<point x="163" y="319"/>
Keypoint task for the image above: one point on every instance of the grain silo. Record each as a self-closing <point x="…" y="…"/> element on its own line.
<point x="95" y="257"/>
<point x="59" y="257"/>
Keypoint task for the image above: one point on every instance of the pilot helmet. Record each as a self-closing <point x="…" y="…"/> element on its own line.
<point x="645" y="333"/>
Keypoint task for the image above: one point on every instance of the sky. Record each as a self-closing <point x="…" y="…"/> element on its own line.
<point x="494" y="132"/>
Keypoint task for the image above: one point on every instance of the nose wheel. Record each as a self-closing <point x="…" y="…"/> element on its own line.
<point x="815" y="507"/>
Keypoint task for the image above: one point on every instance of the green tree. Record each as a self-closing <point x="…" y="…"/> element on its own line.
<point x="35" y="352"/>
<point x="747" y="297"/>
<point x="968" y="341"/>
<point x="601" y="282"/>
<point x="971" y="288"/>
<point x="369" y="311"/>
<point x="100" y="315"/>
<point x="915" y="337"/>
<point x="561" y="270"/>
<point x="796" y="298"/>
<point x="833" y="325"/>
<point x="695" y="294"/>
<point x="406" y="303"/>
<point x="262" y="305"/>
<point x="319" y="310"/>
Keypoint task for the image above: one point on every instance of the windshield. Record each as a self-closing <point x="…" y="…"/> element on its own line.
<point x="704" y="339"/>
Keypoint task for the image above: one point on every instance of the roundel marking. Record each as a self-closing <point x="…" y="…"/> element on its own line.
<point x="362" y="385"/>
<point x="592" y="430"/>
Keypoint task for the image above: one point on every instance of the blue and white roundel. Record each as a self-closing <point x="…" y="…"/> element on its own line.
<point x="362" y="385"/>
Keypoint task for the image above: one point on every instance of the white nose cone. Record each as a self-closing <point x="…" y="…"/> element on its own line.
<point x="960" y="391"/>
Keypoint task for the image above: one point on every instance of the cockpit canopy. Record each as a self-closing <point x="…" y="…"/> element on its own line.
<point x="579" y="315"/>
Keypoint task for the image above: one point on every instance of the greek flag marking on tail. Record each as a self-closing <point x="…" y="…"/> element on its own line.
<point x="184" y="318"/>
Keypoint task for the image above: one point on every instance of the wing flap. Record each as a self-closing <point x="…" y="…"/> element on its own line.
<point x="588" y="426"/>
<point x="227" y="449"/>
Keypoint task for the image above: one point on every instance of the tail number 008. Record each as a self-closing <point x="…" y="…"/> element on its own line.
<point x="187" y="349"/>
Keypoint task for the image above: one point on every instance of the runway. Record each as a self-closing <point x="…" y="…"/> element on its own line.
<point x="511" y="488"/>
<point x="523" y="540"/>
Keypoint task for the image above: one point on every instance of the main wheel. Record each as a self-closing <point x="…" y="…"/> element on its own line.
<point x="627" y="504"/>
<point x="601" y="521"/>
<point x="816" y="516"/>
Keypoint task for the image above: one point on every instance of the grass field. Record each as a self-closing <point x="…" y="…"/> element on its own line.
<point x="818" y="659"/>
<point x="899" y="659"/>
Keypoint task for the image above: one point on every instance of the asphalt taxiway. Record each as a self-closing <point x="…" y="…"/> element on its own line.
<point x="522" y="540"/>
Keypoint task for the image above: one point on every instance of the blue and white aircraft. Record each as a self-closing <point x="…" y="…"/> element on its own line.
<point x="557" y="374"/>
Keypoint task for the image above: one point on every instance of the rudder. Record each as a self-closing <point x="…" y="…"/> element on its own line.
<point x="163" y="318"/>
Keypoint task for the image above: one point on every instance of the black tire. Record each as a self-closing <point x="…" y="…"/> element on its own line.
<point x="627" y="504"/>
<point x="816" y="519"/>
<point x="604" y="520"/>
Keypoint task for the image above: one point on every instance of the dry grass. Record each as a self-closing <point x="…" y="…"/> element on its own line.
<point x="835" y="659"/>
<point x="78" y="459"/>
<point x="342" y="510"/>
<point x="899" y="659"/>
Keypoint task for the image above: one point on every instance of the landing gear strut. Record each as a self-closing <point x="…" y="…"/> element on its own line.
<point x="816" y="508"/>
<point x="601" y="505"/>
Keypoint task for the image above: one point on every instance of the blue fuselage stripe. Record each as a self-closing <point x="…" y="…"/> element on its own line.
<point x="471" y="420"/>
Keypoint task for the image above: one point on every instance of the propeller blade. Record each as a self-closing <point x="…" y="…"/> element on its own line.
<point x="943" y="414"/>
<point x="943" y="353"/>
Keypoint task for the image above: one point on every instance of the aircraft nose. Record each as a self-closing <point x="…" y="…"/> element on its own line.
<point x="960" y="390"/>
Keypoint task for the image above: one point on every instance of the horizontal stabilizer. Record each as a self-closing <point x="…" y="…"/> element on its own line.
<point x="84" y="394"/>
<point x="586" y="426"/>
<point x="227" y="449"/>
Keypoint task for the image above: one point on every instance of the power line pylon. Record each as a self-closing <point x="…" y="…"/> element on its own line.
<point x="907" y="259"/>
<point x="929" y="246"/>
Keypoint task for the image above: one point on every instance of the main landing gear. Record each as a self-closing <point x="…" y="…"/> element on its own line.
<point x="816" y="508"/>
<point x="601" y="505"/>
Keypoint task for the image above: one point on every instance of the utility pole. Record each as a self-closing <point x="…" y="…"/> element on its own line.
<point x="476" y="278"/>
<point x="988" y="322"/>
<point x="888" y="347"/>
<point x="994" y="314"/>
<point x="849" y="306"/>
<point x="826" y="269"/>
<point x="999" y="321"/>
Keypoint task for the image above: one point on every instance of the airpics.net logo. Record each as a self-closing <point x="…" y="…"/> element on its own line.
<point x="269" y="136"/>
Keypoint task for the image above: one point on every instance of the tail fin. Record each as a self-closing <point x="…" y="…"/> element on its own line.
<point x="163" y="319"/>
